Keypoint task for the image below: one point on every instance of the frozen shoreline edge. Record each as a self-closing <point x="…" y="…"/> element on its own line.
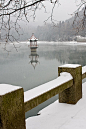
<point x="50" y="43"/>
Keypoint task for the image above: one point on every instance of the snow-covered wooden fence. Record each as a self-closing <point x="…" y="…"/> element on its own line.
<point x="14" y="102"/>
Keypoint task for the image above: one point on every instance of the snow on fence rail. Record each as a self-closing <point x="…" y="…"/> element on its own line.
<point x="14" y="102"/>
<point x="38" y="95"/>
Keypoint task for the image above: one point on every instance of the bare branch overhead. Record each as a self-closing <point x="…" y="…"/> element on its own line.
<point x="12" y="12"/>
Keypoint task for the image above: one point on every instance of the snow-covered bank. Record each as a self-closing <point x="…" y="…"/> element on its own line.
<point x="50" y="43"/>
<point x="61" y="116"/>
<point x="57" y="43"/>
<point x="62" y="43"/>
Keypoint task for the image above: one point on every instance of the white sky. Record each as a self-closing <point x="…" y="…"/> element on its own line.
<point x="61" y="12"/>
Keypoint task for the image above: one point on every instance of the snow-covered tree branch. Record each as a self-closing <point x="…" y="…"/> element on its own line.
<point x="79" y="22"/>
<point x="12" y="12"/>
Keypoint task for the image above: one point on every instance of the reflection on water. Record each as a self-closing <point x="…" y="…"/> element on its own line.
<point x="15" y="69"/>
<point x="34" y="58"/>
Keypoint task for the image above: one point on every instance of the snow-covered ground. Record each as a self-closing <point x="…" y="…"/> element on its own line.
<point x="61" y="116"/>
<point x="52" y="43"/>
<point x="59" y="43"/>
<point x="62" y="43"/>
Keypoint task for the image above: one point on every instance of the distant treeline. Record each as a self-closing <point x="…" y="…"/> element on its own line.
<point x="64" y="31"/>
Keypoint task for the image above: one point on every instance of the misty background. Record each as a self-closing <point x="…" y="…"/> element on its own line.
<point x="63" y="29"/>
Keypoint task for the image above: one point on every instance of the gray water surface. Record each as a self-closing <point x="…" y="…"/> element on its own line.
<point x="16" y="69"/>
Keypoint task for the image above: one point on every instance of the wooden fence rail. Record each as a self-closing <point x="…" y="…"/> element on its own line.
<point x="14" y="102"/>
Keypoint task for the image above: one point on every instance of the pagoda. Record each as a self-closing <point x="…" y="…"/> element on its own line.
<point x="33" y="43"/>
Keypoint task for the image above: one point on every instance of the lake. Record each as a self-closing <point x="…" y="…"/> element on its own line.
<point x="17" y="67"/>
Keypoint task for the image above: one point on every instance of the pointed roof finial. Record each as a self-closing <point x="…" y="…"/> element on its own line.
<point x="33" y="38"/>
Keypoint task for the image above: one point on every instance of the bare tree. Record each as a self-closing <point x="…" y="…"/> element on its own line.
<point x="12" y="12"/>
<point x="79" y="22"/>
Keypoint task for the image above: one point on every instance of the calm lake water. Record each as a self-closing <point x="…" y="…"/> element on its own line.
<point x="16" y="67"/>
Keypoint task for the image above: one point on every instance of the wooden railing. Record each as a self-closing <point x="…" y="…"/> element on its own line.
<point x="14" y="102"/>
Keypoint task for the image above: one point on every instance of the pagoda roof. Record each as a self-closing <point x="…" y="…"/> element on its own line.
<point x="33" y="38"/>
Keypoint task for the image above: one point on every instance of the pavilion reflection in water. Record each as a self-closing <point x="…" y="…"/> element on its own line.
<point x="34" y="58"/>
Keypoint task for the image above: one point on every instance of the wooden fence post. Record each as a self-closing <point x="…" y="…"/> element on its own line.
<point x="12" y="114"/>
<point x="74" y="93"/>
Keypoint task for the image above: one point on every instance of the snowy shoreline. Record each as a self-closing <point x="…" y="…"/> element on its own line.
<point x="50" y="43"/>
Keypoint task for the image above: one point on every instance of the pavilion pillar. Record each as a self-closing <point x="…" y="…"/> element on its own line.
<point x="74" y="93"/>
